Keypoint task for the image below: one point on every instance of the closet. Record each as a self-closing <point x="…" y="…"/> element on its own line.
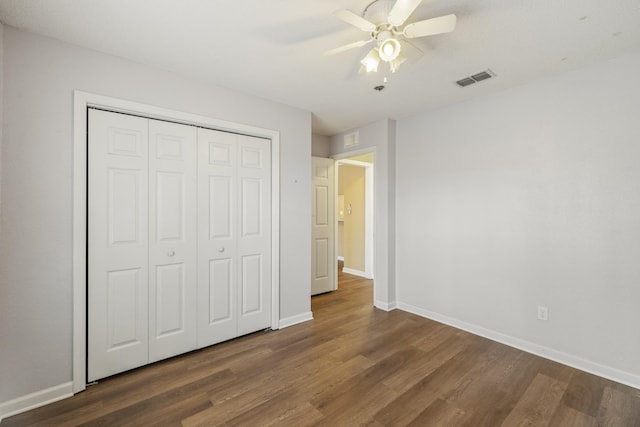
<point x="179" y="239"/>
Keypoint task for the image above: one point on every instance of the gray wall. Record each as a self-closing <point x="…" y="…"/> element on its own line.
<point x="35" y="251"/>
<point x="1" y="115"/>
<point x="381" y="136"/>
<point x="530" y="197"/>
<point x="320" y="146"/>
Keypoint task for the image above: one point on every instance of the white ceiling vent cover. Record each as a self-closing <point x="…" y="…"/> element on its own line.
<point x="478" y="77"/>
<point x="351" y="139"/>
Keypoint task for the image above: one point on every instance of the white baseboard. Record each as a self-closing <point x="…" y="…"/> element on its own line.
<point x="340" y="258"/>
<point x="594" y="368"/>
<point x="356" y="272"/>
<point x="35" y="400"/>
<point x="294" y="320"/>
<point x="386" y="306"/>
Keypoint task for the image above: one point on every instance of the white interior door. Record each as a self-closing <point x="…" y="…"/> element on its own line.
<point x="172" y="239"/>
<point x="118" y="243"/>
<point x="323" y="260"/>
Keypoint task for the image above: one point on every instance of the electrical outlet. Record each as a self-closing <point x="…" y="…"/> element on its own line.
<point x="543" y="313"/>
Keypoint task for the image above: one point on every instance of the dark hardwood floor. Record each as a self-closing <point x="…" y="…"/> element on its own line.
<point x="352" y="365"/>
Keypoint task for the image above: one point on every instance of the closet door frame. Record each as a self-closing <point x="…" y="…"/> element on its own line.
<point x="83" y="101"/>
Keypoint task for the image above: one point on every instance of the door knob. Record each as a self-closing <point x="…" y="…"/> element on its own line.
<point x="221" y="250"/>
<point x="171" y="253"/>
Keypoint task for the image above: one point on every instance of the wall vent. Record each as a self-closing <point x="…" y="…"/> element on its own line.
<point x="478" y="77"/>
<point x="351" y="139"/>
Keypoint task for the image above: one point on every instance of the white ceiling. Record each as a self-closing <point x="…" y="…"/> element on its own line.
<point x="273" y="49"/>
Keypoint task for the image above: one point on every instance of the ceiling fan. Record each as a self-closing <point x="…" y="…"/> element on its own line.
<point x="386" y="30"/>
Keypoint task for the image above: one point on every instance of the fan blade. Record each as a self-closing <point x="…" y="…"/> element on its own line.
<point x="401" y="11"/>
<point x="429" y="27"/>
<point x="355" y="20"/>
<point x="347" y="47"/>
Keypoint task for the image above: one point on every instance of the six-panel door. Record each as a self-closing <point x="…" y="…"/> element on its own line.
<point x="323" y="261"/>
<point x="118" y="260"/>
<point x="172" y="239"/>
<point x="217" y="246"/>
<point x="254" y="234"/>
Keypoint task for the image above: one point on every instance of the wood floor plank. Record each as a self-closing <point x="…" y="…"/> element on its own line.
<point x="490" y="391"/>
<point x="423" y="393"/>
<point x="406" y="407"/>
<point x="332" y="380"/>
<point x="170" y="415"/>
<point x="619" y="409"/>
<point x="301" y="415"/>
<point x="584" y="393"/>
<point x="275" y="408"/>
<point x="158" y="403"/>
<point x="356" y="405"/>
<point x="569" y="417"/>
<point x="433" y="335"/>
<point x="538" y="404"/>
<point x="479" y="392"/>
<point x="366" y="381"/>
<point x="352" y="365"/>
<point x="421" y="367"/>
<point x="439" y="414"/>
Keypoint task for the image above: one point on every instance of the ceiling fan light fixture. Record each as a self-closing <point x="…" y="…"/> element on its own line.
<point x="395" y="64"/>
<point x="389" y="49"/>
<point x="371" y="61"/>
<point x="386" y="23"/>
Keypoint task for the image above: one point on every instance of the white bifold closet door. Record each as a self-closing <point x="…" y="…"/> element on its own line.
<point x="118" y="250"/>
<point x="179" y="239"/>
<point x="234" y="227"/>
<point x="172" y="239"/>
<point x="142" y="241"/>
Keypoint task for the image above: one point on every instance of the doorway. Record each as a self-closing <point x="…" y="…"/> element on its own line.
<point x="342" y="220"/>
<point x="354" y="232"/>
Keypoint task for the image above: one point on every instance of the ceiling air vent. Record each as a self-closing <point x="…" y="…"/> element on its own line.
<point x="465" y="82"/>
<point x="478" y="77"/>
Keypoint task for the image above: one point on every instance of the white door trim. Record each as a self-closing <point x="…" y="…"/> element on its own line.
<point x="83" y="100"/>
